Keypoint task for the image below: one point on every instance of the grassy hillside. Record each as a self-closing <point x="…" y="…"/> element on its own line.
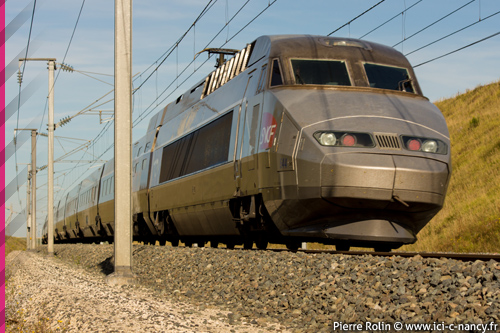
<point x="470" y="218"/>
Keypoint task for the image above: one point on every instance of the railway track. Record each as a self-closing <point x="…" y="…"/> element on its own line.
<point x="436" y="255"/>
<point x="312" y="292"/>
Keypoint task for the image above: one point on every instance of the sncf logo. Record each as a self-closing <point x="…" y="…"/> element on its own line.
<point x="267" y="131"/>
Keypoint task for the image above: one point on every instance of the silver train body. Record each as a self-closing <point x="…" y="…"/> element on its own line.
<point x="294" y="139"/>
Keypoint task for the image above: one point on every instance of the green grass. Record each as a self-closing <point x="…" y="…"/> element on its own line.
<point x="470" y="218"/>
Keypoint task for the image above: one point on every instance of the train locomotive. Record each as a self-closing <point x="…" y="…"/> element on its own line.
<point x="295" y="138"/>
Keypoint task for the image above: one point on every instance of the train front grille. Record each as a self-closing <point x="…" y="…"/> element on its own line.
<point x="387" y="140"/>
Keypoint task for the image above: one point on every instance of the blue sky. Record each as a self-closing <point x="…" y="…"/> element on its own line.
<point x="159" y="24"/>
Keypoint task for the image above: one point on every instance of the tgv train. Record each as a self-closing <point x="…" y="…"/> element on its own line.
<point x="293" y="139"/>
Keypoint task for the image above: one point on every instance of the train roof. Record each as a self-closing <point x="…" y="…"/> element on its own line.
<point x="317" y="47"/>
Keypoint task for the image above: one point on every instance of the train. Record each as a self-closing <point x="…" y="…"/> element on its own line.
<point x="292" y="139"/>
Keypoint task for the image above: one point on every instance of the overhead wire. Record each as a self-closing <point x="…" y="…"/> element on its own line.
<point x="88" y="75"/>
<point x="143" y="115"/>
<point x="392" y="18"/>
<point x="171" y="49"/>
<point x="64" y="59"/>
<point x="451" y="34"/>
<point x="24" y="65"/>
<point x="19" y="97"/>
<point x="165" y="56"/>
<point x="459" y="49"/>
<point x="430" y="25"/>
<point x="87" y="72"/>
<point x="354" y="19"/>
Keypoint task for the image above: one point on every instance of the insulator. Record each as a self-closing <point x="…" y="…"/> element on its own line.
<point x="67" y="68"/>
<point x="64" y="121"/>
<point x="19" y="77"/>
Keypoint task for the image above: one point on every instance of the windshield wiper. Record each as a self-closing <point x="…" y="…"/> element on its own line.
<point x="403" y="84"/>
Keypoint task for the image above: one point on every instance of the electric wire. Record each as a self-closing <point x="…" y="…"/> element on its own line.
<point x="88" y="75"/>
<point x="224" y="27"/>
<point x="430" y="25"/>
<point x="354" y="19"/>
<point x="143" y="115"/>
<point x="167" y="54"/>
<point x="459" y="49"/>
<point x="87" y="72"/>
<point x="24" y="65"/>
<point x="19" y="97"/>
<point x="63" y="61"/>
<point x="389" y="20"/>
<point x="451" y="34"/>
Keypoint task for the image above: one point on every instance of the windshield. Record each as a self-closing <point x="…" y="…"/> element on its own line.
<point x="323" y="72"/>
<point x="388" y="77"/>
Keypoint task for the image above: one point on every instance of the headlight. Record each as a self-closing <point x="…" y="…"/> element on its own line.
<point x="344" y="139"/>
<point x="426" y="145"/>
<point x="430" y="146"/>
<point x="327" y="139"/>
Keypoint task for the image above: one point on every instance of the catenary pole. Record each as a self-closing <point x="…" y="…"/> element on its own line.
<point x="33" y="191"/>
<point x="28" y="210"/>
<point x="50" y="180"/>
<point x="123" y="145"/>
<point x="31" y="194"/>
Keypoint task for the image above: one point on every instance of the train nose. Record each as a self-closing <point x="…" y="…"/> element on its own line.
<point x="381" y="181"/>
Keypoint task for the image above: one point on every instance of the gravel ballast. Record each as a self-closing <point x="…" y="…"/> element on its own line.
<point x="304" y="292"/>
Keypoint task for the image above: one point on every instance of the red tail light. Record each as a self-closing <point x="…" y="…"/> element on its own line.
<point x="348" y="140"/>
<point x="414" y="144"/>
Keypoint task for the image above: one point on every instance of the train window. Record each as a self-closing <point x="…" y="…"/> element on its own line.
<point x="144" y="163"/>
<point x="210" y="145"/>
<point x="148" y="145"/>
<point x="276" y="79"/>
<point x="139" y="151"/>
<point x="388" y="77"/>
<point x="321" y="72"/>
<point x="262" y="79"/>
<point x="173" y="159"/>
<point x="201" y="149"/>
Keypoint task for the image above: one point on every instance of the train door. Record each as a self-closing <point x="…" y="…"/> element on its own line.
<point x="248" y="134"/>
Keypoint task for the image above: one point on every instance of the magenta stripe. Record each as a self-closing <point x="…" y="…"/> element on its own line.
<point x="2" y="167"/>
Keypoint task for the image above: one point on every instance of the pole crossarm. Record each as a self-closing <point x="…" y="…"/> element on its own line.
<point x="37" y="59"/>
